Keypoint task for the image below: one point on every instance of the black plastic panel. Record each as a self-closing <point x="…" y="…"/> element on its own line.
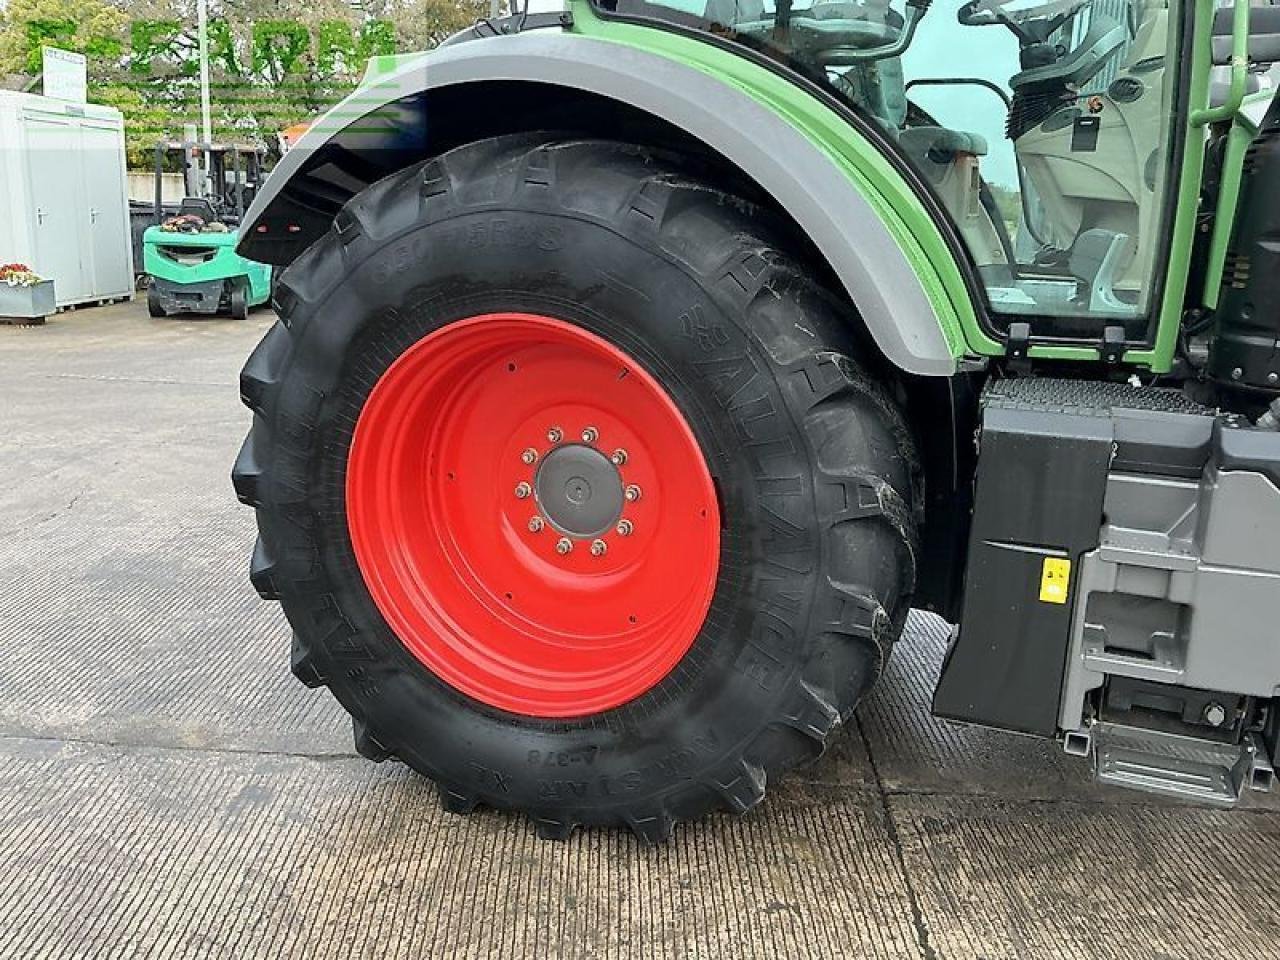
<point x="1041" y="481"/>
<point x="1246" y="348"/>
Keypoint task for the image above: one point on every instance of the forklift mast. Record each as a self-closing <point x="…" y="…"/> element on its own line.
<point x="234" y="176"/>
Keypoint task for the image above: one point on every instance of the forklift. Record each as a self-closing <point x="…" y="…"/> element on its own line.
<point x="190" y="259"/>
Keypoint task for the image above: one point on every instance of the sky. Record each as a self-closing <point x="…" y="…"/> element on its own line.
<point x="943" y="47"/>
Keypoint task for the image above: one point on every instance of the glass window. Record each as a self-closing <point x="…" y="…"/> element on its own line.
<point x="1043" y="126"/>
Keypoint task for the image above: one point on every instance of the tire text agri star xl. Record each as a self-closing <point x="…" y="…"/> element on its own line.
<point x="640" y="365"/>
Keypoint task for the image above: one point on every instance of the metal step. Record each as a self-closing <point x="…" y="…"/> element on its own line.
<point x="1179" y="766"/>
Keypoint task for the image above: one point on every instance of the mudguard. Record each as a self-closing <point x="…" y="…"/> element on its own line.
<point x="383" y="127"/>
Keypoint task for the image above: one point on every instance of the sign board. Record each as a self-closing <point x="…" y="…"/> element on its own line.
<point x="65" y="75"/>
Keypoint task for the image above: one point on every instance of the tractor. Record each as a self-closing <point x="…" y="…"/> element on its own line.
<point x="641" y="364"/>
<point x="190" y="258"/>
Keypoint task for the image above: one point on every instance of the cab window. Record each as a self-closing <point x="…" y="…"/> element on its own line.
<point x="1044" y="128"/>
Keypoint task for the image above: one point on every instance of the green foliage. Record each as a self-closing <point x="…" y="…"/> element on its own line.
<point x="278" y="46"/>
<point x="91" y="27"/>
<point x="51" y="33"/>
<point x="273" y="63"/>
<point x="151" y="40"/>
<point x="1009" y="203"/>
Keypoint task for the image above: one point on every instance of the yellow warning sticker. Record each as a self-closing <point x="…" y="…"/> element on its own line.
<point x="1054" y="579"/>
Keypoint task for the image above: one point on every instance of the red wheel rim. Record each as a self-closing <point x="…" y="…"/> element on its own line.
<point x="461" y="500"/>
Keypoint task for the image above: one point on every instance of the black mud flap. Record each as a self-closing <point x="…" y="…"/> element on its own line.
<point x="1038" y="506"/>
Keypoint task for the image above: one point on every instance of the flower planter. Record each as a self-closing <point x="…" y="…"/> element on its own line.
<point x="27" y="304"/>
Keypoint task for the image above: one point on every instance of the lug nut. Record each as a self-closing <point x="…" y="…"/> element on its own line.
<point x="624" y="528"/>
<point x="555" y="435"/>
<point x="598" y="548"/>
<point x="529" y="455"/>
<point x="563" y="546"/>
<point x="523" y="490"/>
<point x="619" y="457"/>
<point x="536" y="524"/>
<point x="632" y="493"/>
<point x="590" y="435"/>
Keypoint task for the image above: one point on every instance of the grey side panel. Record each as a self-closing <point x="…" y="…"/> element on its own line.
<point x="388" y="118"/>
<point x="1183" y="589"/>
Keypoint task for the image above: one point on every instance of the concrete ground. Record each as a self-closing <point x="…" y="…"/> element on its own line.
<point x="168" y="790"/>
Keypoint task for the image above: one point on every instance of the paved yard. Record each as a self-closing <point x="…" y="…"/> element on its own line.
<point x="168" y="790"/>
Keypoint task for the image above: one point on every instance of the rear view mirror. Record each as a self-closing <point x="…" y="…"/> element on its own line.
<point x="1264" y="35"/>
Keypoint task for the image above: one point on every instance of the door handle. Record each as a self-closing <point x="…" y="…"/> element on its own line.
<point x="40" y="215"/>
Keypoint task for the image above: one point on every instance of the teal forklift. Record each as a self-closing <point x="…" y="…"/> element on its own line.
<point x="190" y="257"/>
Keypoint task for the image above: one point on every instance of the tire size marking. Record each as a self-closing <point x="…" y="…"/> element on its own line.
<point x="495" y="231"/>
<point x="584" y="756"/>
<point x="758" y="665"/>
<point x="365" y="685"/>
<point x="563" y="789"/>
<point x="695" y="326"/>
<point x="342" y="642"/>
<point x="401" y="258"/>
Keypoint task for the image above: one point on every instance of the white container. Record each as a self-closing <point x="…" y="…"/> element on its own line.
<point x="64" y="203"/>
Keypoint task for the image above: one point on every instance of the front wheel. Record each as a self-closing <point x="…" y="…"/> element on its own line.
<point x="570" y="488"/>
<point x="239" y="299"/>
<point x="155" y="307"/>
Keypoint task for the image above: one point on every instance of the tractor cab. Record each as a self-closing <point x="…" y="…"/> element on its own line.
<point x="189" y="255"/>
<point x="1045" y="129"/>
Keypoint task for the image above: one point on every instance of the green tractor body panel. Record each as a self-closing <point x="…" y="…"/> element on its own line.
<point x="198" y="260"/>
<point x="915" y="227"/>
<point x="912" y="226"/>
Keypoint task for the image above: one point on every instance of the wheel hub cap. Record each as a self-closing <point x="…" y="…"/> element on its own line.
<point x="579" y="490"/>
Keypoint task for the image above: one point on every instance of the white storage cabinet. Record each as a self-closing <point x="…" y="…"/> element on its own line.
<point x="64" y="201"/>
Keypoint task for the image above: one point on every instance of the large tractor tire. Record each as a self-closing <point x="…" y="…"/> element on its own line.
<point x="571" y="488"/>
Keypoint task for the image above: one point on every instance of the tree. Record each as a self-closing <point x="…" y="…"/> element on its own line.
<point x="273" y="63"/>
<point x="91" y="27"/>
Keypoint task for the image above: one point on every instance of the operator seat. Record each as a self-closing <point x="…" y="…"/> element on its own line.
<point x="199" y="207"/>
<point x="948" y="160"/>
<point x="935" y="151"/>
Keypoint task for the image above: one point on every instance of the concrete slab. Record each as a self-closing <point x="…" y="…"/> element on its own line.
<point x="167" y="789"/>
<point x="160" y="853"/>
<point x="1015" y="880"/>
<point x="127" y="615"/>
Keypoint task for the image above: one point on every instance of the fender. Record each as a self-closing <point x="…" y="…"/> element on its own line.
<point x="911" y="297"/>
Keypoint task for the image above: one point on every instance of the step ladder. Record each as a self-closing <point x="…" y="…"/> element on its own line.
<point x="1175" y="765"/>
